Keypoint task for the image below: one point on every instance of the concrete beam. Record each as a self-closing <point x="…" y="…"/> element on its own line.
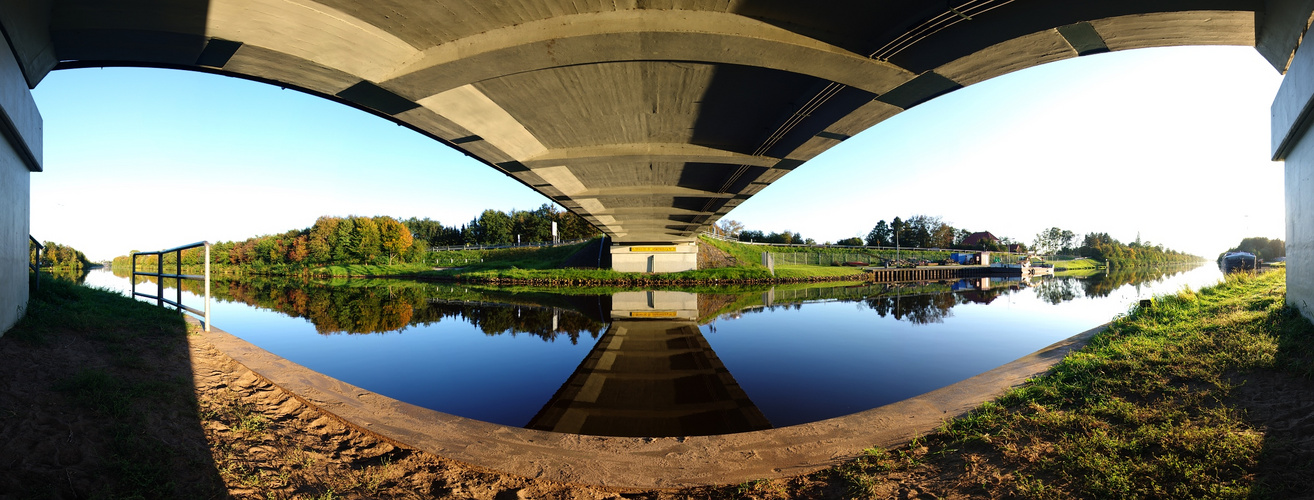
<point x="25" y="24"/>
<point x="636" y="35"/>
<point x="1280" y="29"/>
<point x="1293" y="107"/>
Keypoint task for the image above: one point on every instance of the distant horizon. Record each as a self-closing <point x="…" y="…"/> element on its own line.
<point x="1170" y="143"/>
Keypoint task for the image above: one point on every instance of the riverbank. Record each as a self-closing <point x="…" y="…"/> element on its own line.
<point x="721" y="263"/>
<point x="1202" y="394"/>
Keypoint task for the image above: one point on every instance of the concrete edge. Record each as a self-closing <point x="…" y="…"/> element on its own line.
<point x="641" y="463"/>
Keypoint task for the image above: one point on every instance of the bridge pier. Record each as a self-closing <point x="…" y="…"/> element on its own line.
<point x="654" y="257"/>
<point x="1292" y="112"/>
<point x="20" y="155"/>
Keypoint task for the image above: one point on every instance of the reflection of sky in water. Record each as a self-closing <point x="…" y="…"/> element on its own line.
<point x="821" y="360"/>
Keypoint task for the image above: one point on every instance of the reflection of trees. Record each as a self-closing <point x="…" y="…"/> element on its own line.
<point x="920" y="303"/>
<point x="76" y="275"/>
<point x="340" y="307"/>
<point x="497" y="319"/>
<point x="1104" y="284"/>
<point x="1058" y="290"/>
<point x="917" y="309"/>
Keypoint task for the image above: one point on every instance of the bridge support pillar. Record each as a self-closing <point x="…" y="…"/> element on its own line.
<point x="1293" y="142"/>
<point x="654" y="257"/>
<point x="20" y="155"/>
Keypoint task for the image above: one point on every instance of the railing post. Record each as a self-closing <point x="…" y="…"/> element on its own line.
<point x="178" y="271"/>
<point x="159" y="279"/>
<point x="132" y="278"/>
<point x="207" y="286"/>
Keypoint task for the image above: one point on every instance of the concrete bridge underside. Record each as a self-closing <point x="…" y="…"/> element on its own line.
<point x="650" y="118"/>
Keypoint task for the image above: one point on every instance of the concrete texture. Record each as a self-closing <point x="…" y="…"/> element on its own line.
<point x="655" y="258"/>
<point x="20" y="155"/>
<point x="651" y="121"/>
<point x="14" y="187"/>
<point x="634" y="461"/>
<point x="1293" y="110"/>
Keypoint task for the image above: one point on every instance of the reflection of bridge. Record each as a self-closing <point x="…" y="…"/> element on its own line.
<point x="651" y="120"/>
<point x="650" y="378"/>
<point x="651" y="374"/>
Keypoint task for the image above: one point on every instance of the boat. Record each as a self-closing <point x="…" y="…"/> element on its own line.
<point x="1238" y="261"/>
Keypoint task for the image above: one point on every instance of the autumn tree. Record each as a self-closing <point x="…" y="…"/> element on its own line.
<point x="730" y="228"/>
<point x="322" y="238"/>
<point x="299" y="250"/>
<point x="394" y="238"/>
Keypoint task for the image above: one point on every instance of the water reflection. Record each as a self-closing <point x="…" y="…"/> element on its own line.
<point x="651" y="378"/>
<point x="663" y="362"/>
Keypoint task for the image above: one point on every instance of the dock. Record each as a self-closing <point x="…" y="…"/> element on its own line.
<point x="940" y="273"/>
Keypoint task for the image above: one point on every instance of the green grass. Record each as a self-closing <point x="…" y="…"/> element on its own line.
<point x="1145" y="410"/>
<point x="1074" y="264"/>
<point x="366" y="270"/>
<point x="123" y="383"/>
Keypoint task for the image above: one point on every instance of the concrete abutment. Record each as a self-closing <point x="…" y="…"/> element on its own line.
<point x="20" y="155"/>
<point x="654" y="258"/>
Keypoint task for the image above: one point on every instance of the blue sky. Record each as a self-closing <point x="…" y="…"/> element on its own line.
<point x="1171" y="143"/>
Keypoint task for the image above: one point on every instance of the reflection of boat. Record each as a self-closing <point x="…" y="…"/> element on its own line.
<point x="1238" y="261"/>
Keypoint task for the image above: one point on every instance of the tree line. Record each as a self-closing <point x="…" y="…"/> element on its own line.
<point x="54" y="255"/>
<point x="1101" y="246"/>
<point x="917" y="231"/>
<point x="378" y="240"/>
<point x="495" y="227"/>
<point x="925" y="231"/>
<point x="1261" y="247"/>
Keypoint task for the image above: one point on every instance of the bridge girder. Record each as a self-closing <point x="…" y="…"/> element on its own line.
<point x="651" y="119"/>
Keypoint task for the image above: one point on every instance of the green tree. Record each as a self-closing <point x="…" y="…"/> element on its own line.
<point x="897" y="226"/>
<point x="342" y="242"/>
<point x="493" y="227"/>
<point x="881" y="235"/>
<point x="322" y="238"/>
<point x="854" y="241"/>
<point x="365" y="242"/>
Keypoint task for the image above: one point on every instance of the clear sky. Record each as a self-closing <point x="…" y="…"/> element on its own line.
<point x="1171" y="143"/>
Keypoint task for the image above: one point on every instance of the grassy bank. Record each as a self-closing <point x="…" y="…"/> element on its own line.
<point x="1181" y="399"/>
<point x="542" y="266"/>
<point x="110" y="375"/>
<point x="1074" y="264"/>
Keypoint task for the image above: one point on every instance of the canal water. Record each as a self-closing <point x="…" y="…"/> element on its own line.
<point x="664" y="363"/>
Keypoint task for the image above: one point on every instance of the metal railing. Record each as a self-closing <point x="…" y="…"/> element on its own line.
<point x="36" y="266"/>
<point x="178" y="275"/>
